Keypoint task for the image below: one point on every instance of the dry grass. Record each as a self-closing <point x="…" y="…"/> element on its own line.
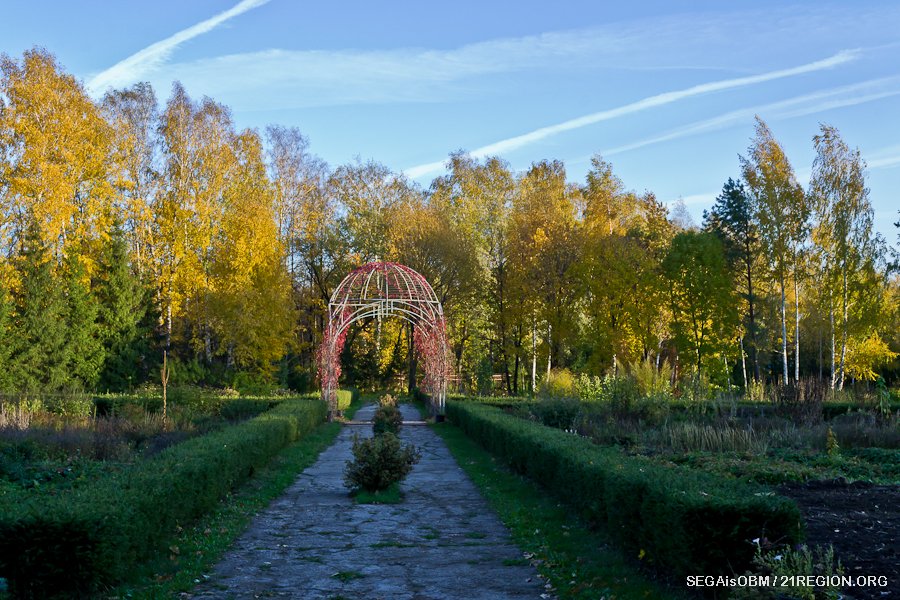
<point x="14" y="416"/>
<point x="689" y="437"/>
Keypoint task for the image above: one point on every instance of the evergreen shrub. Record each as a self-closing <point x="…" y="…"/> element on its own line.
<point x="378" y="462"/>
<point x="387" y="419"/>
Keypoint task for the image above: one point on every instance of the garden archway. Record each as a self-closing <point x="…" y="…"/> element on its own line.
<point x="378" y="290"/>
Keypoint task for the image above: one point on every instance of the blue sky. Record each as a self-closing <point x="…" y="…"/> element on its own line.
<point x="664" y="90"/>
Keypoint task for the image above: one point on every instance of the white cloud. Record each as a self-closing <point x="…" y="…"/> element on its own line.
<point x="141" y="63"/>
<point x="886" y="158"/>
<point x="276" y="79"/>
<point x="850" y="95"/>
<point x="272" y="79"/>
<point x="657" y="100"/>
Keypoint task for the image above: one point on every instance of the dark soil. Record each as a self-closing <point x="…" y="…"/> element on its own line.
<point x="862" y="522"/>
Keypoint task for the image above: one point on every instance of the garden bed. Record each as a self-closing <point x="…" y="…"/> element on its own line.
<point x="861" y="521"/>
<point x="46" y="450"/>
<point x="76" y="542"/>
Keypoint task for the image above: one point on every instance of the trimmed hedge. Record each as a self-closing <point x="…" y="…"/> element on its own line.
<point x="76" y="543"/>
<point x="240" y="407"/>
<point x="345" y="398"/>
<point x="682" y="521"/>
<point x="500" y="401"/>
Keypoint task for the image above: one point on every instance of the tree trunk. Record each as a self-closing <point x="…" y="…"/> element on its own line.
<point x="754" y="344"/>
<point x="833" y="357"/>
<point x="207" y="343"/>
<point x="549" y="347"/>
<point x="164" y="379"/>
<point x="515" y="390"/>
<point x="843" y="332"/>
<point x="229" y="357"/>
<point x="784" y="352"/>
<point x="743" y="362"/>
<point x="533" y="355"/>
<point x="727" y="372"/>
<point x="169" y="324"/>
<point x="796" y="329"/>
<point x="821" y="358"/>
<point x="411" y="375"/>
<point x="506" y="375"/>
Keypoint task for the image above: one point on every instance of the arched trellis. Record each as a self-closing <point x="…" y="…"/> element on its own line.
<point x="378" y="290"/>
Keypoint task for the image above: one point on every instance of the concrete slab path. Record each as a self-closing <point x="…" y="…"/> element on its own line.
<point x="442" y="542"/>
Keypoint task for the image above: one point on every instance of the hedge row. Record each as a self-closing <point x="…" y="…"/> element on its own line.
<point x="226" y="407"/>
<point x="493" y="400"/>
<point x="681" y="521"/>
<point x="76" y="543"/>
<point x="346" y="397"/>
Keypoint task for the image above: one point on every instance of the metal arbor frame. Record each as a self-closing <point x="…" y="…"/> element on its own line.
<point x="378" y="290"/>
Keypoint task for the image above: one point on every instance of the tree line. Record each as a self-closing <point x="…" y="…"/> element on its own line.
<point x="129" y="228"/>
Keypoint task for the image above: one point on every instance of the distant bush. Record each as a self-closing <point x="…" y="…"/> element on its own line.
<point x="387" y="400"/>
<point x="621" y="394"/>
<point x="756" y="391"/>
<point x="17" y="413"/>
<point x="493" y="400"/>
<point x="186" y="372"/>
<point x="387" y="419"/>
<point x="420" y="396"/>
<point x="679" y="520"/>
<point x="74" y="405"/>
<point x="644" y="393"/>
<point x="557" y="412"/>
<point x="254" y="384"/>
<point x="785" y="564"/>
<point x="589" y="388"/>
<point x="802" y="401"/>
<point x="559" y="383"/>
<point x="650" y="381"/>
<point x="378" y="462"/>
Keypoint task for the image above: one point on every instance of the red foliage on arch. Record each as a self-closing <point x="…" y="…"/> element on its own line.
<point x="382" y="289"/>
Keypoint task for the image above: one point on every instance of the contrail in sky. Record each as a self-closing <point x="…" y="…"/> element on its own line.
<point x="793" y="107"/>
<point x="519" y="141"/>
<point x="135" y="66"/>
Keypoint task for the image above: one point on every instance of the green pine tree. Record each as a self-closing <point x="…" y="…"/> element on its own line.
<point x="38" y="334"/>
<point x="84" y="352"/>
<point x="6" y="380"/>
<point x="124" y="329"/>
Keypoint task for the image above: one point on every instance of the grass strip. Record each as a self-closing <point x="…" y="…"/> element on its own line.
<point x="577" y="562"/>
<point x="391" y="495"/>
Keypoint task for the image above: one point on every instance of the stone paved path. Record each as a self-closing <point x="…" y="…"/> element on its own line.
<point x="314" y="542"/>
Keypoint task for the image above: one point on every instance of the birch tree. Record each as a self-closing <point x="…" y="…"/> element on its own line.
<point x="843" y="234"/>
<point x="54" y="151"/>
<point x="782" y="214"/>
<point x="133" y="114"/>
<point x="198" y="159"/>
